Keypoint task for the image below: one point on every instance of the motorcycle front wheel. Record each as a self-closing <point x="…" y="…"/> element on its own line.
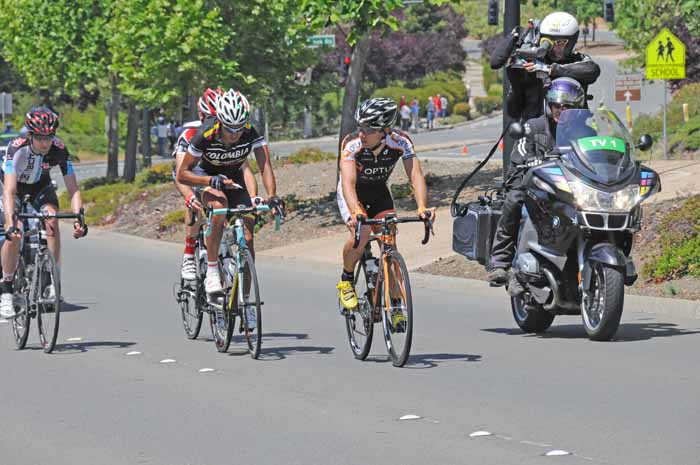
<point x="602" y="304"/>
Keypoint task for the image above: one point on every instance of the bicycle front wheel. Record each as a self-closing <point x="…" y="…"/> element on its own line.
<point x="249" y="303"/>
<point x="397" y="309"/>
<point x="20" y="325"/>
<point x="48" y="299"/>
<point x="360" y="323"/>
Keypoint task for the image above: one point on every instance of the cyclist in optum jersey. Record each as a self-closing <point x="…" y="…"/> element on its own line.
<point x="367" y="159"/>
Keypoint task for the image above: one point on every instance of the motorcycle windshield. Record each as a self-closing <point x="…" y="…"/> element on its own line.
<point x="596" y="144"/>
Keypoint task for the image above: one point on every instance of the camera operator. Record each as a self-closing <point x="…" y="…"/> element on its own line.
<point x="532" y="61"/>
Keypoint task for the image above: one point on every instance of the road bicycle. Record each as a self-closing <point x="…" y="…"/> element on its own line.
<point x="383" y="291"/>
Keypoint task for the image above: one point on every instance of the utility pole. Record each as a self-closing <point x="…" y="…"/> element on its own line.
<point x="511" y="19"/>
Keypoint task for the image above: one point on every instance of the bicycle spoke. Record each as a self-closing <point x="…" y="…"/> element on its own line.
<point x="397" y="317"/>
<point x="48" y="293"/>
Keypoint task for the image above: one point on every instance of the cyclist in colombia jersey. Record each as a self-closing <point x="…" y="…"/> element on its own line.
<point x="27" y="167"/>
<point x="367" y="159"/>
<point x="221" y="147"/>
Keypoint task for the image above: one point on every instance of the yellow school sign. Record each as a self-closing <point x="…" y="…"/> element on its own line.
<point x="665" y="57"/>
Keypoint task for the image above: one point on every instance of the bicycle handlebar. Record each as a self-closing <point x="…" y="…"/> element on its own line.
<point x="47" y="216"/>
<point x="362" y="221"/>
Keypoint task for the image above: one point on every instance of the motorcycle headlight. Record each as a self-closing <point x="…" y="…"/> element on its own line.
<point x="588" y="198"/>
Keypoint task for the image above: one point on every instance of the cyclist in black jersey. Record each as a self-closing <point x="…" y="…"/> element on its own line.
<point x="367" y="159"/>
<point x="27" y="167"/>
<point x="221" y="147"/>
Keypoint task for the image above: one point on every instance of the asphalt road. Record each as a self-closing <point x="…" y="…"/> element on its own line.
<point x="307" y="401"/>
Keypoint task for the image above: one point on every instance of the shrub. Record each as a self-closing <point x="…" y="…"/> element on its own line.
<point x="307" y="155"/>
<point x="173" y="218"/>
<point x="486" y="105"/>
<point x="157" y="174"/>
<point x="453" y="119"/>
<point x="495" y="90"/>
<point x="461" y="109"/>
<point x="680" y="243"/>
<point x="400" y="191"/>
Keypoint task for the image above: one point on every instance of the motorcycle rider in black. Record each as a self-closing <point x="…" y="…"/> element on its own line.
<point x="559" y="31"/>
<point x="540" y="135"/>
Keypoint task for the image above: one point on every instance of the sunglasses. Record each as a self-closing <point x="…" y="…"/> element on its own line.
<point x="40" y="138"/>
<point x="231" y="130"/>
<point x="562" y="106"/>
<point x="369" y="131"/>
<point x="560" y="42"/>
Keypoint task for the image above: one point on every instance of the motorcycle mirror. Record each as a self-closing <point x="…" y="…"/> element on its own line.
<point x="516" y="130"/>
<point x="645" y="142"/>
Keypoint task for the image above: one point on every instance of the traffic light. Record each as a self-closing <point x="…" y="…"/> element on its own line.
<point x="609" y="11"/>
<point x="493" y="13"/>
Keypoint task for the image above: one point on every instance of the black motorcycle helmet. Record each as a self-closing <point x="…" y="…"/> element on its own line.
<point x="564" y="91"/>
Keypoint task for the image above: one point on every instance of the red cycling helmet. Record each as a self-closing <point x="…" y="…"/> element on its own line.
<point x="41" y="121"/>
<point x="206" y="105"/>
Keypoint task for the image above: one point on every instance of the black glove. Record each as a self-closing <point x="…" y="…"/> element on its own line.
<point x="10" y="231"/>
<point x="276" y="203"/>
<point x="79" y="225"/>
<point x="217" y="182"/>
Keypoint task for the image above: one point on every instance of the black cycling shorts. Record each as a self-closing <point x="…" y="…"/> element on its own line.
<point x="375" y="199"/>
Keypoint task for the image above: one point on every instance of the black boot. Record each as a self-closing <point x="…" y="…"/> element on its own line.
<point x="498" y="277"/>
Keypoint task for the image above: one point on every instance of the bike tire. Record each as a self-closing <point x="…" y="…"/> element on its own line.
<point x="253" y="336"/>
<point x="360" y="323"/>
<point x="48" y="309"/>
<point x="20" y="324"/>
<point x="398" y="339"/>
<point x="222" y="319"/>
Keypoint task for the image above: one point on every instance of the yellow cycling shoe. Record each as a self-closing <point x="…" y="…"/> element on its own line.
<point x="398" y="318"/>
<point x="346" y="294"/>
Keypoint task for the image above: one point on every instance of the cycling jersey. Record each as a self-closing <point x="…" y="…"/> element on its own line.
<point x="183" y="142"/>
<point x="373" y="172"/>
<point x="33" y="168"/>
<point x="215" y="156"/>
<point x="373" y="169"/>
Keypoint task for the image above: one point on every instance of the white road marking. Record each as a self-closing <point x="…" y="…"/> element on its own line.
<point x="410" y="417"/>
<point x="167" y="360"/>
<point x="134" y="352"/>
<point x="478" y="434"/>
<point x="74" y="339"/>
<point x="206" y="370"/>
<point x="557" y="453"/>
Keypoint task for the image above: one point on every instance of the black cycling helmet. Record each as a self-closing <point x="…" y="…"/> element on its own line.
<point x="565" y="91"/>
<point x="41" y="121"/>
<point x="377" y="113"/>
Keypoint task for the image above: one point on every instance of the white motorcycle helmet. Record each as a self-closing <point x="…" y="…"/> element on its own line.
<point x="557" y="27"/>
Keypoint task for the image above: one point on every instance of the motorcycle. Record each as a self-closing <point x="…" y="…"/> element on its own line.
<point x="581" y="212"/>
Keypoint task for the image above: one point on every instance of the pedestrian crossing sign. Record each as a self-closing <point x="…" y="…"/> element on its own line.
<point x="665" y="57"/>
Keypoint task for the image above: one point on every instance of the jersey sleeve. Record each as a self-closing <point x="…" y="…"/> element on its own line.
<point x="201" y="139"/>
<point x="62" y="157"/>
<point x="401" y="141"/>
<point x="350" y="148"/>
<point x="256" y="139"/>
<point x="8" y="164"/>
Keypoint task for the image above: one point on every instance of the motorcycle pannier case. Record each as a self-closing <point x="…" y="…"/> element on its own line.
<point x="473" y="231"/>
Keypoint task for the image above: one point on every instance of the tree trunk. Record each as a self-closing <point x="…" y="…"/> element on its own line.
<point x="594" y="28"/>
<point x="352" y="87"/>
<point x="113" y="132"/>
<point x="132" y="137"/>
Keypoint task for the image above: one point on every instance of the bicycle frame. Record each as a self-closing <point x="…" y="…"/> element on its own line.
<point x="225" y="248"/>
<point x="387" y="241"/>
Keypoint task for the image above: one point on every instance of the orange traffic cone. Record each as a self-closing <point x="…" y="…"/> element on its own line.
<point x="465" y="150"/>
<point x="500" y="146"/>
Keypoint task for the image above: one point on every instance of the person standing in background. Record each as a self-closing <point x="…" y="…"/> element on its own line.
<point x="415" y="113"/>
<point x="405" y="117"/>
<point x="431" y="112"/>
<point x="443" y="105"/>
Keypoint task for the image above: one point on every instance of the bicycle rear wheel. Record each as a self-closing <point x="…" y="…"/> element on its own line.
<point x="190" y="308"/>
<point x="20" y="325"/>
<point x="250" y="304"/>
<point x="48" y="306"/>
<point x="360" y="323"/>
<point x="397" y="309"/>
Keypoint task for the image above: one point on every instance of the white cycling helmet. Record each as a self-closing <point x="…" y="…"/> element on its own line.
<point x="558" y="26"/>
<point x="232" y="109"/>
